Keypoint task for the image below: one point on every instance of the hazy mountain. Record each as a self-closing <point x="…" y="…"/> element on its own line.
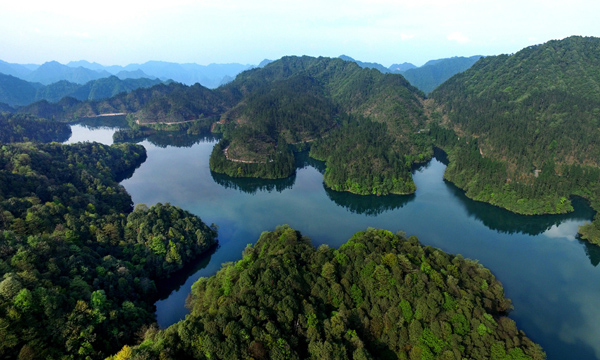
<point x="399" y="68"/>
<point x="108" y="87"/>
<point x="366" y="65"/>
<point x="56" y="91"/>
<point x="426" y="77"/>
<point x="435" y="72"/>
<point x="54" y="71"/>
<point x="86" y="64"/>
<point x="136" y="74"/>
<point x="18" y="92"/>
<point x="17" y="70"/>
<point x="264" y="63"/>
<point x="6" y="108"/>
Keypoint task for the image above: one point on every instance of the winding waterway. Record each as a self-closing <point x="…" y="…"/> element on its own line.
<point x="552" y="277"/>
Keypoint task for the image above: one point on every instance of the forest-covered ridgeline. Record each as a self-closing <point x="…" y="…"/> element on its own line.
<point x="290" y="101"/>
<point x="77" y="263"/>
<point x="379" y="296"/>
<point x="526" y="128"/>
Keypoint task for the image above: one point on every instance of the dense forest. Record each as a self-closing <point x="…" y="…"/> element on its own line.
<point x="168" y="103"/>
<point x="77" y="265"/>
<point x="291" y="101"/>
<point x="362" y="157"/>
<point x="379" y="295"/>
<point x="528" y="128"/>
<point x="321" y="100"/>
<point x="20" y="128"/>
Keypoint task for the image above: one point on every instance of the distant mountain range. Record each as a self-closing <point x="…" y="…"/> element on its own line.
<point x="82" y="71"/>
<point x="18" y="92"/>
<point x="427" y="77"/>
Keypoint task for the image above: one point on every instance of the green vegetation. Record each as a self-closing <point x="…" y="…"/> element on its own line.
<point x="77" y="266"/>
<point x="528" y="125"/>
<point x="161" y="103"/>
<point x="19" y="128"/>
<point x="363" y="158"/>
<point x="292" y="101"/>
<point x="279" y="164"/>
<point x="303" y="99"/>
<point x="17" y="92"/>
<point x="137" y="132"/>
<point x="379" y="296"/>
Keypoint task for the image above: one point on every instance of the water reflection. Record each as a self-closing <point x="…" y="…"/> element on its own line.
<point x="253" y="185"/>
<point x="176" y="139"/>
<point x="115" y="122"/>
<point x="177" y="280"/>
<point x="508" y="222"/>
<point x="592" y="251"/>
<point x="370" y="205"/>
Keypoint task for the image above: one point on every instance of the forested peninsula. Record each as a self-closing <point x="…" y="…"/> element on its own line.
<point x="77" y="263"/>
<point x="379" y="295"/>
<point x="522" y="130"/>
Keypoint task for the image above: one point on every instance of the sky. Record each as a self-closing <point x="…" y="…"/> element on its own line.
<point x="120" y="32"/>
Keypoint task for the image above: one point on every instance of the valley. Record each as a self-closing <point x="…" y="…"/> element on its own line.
<point x="499" y="163"/>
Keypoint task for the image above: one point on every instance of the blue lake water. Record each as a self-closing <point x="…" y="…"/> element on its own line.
<point x="552" y="277"/>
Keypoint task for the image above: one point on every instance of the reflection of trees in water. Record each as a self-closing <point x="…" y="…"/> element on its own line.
<point x="592" y="251"/>
<point x="130" y="171"/>
<point x="303" y="161"/>
<point x="177" y="280"/>
<point x="62" y="137"/>
<point x="177" y="139"/>
<point x="368" y="204"/>
<point x="253" y="185"/>
<point x="508" y="222"/>
<point x="117" y="121"/>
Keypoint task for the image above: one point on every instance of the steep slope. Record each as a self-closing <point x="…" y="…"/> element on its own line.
<point x="380" y="296"/>
<point x="535" y="116"/>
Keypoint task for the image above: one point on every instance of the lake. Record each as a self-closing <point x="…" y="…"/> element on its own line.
<point x="552" y="278"/>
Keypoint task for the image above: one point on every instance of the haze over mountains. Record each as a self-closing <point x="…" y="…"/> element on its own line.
<point x="427" y="77"/>
<point x="23" y="84"/>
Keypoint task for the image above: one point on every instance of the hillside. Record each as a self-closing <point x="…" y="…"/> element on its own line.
<point x="535" y="117"/>
<point x="161" y="103"/>
<point x="317" y="99"/>
<point x="78" y="263"/>
<point x="379" y="296"/>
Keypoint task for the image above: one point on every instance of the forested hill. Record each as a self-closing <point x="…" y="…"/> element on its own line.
<point x="540" y="103"/>
<point x="172" y="102"/>
<point x="305" y="99"/>
<point x="290" y="101"/>
<point x="380" y="296"/>
<point x="536" y="118"/>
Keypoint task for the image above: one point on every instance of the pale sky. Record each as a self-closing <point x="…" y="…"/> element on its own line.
<point x="120" y="32"/>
